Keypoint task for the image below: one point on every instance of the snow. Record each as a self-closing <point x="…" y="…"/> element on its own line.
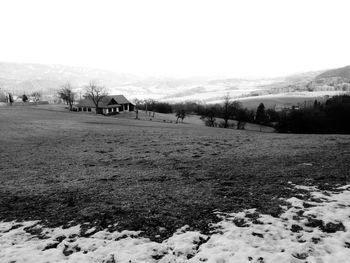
<point x="263" y="239"/>
<point x="279" y="243"/>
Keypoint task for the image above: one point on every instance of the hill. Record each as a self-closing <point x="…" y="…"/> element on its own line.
<point x="79" y="187"/>
<point x="286" y="99"/>
<point x="335" y="73"/>
<point x="25" y="78"/>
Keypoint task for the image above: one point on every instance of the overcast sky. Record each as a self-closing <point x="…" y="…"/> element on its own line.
<point x="178" y="38"/>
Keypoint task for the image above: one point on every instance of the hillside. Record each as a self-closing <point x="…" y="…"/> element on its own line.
<point x="335" y="73"/>
<point x="26" y="78"/>
<point x="288" y="99"/>
<point x="79" y="187"/>
<point x="303" y="87"/>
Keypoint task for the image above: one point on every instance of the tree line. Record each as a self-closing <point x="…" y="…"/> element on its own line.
<point x="214" y="115"/>
<point x="332" y="116"/>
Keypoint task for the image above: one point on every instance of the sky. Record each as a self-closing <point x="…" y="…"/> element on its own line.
<point x="179" y="38"/>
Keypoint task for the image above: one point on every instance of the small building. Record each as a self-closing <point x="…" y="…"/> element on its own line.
<point x="107" y="105"/>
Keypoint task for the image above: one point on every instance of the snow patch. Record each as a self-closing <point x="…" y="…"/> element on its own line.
<point x="315" y="230"/>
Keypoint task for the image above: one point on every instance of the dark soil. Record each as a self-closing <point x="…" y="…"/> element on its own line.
<point x="69" y="168"/>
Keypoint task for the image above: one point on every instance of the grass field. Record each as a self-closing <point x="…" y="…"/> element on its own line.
<point x="189" y="119"/>
<point x="293" y="98"/>
<point x="68" y="168"/>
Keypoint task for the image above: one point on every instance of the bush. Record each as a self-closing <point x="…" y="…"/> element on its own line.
<point x="231" y="125"/>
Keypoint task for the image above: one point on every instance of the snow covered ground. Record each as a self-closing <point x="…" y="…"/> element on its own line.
<point x="316" y="230"/>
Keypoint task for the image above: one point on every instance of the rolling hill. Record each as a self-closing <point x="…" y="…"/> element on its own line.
<point x="343" y="72"/>
<point x="25" y="78"/>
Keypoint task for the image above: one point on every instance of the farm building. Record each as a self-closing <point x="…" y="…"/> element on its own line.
<point x="107" y="105"/>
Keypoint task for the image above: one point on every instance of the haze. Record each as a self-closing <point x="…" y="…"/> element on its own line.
<point x="179" y="38"/>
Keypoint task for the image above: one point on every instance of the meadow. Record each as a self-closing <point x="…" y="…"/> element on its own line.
<point x="67" y="168"/>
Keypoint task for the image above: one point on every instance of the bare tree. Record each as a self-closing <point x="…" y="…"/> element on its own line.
<point x="180" y="114"/>
<point x="10" y="99"/>
<point x="236" y="106"/>
<point x="67" y="95"/>
<point x="95" y="93"/>
<point x="149" y="106"/>
<point x="239" y="114"/>
<point x="210" y="116"/>
<point x="36" y="95"/>
<point x="138" y="103"/>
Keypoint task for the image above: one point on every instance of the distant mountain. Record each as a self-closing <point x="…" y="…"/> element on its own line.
<point x="25" y="78"/>
<point x="332" y="80"/>
<point x="335" y="73"/>
<point x="289" y="84"/>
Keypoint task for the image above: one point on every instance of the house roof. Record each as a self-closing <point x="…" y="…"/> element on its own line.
<point x="105" y="101"/>
<point x="120" y="99"/>
<point x="85" y="103"/>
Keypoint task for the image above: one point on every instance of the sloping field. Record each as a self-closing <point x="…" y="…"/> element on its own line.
<point x="295" y="98"/>
<point x="113" y="173"/>
<point x="189" y="119"/>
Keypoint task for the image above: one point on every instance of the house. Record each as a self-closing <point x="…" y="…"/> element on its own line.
<point x="107" y="105"/>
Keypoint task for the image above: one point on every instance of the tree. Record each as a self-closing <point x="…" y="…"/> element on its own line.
<point x="24" y="98"/>
<point x="95" y="93"/>
<point x="226" y="110"/>
<point x="138" y="103"/>
<point x="261" y="114"/>
<point x="210" y="116"/>
<point x="242" y="117"/>
<point x="36" y="95"/>
<point x="67" y="95"/>
<point x="317" y="104"/>
<point x="272" y="115"/>
<point x="10" y="98"/>
<point x="149" y="103"/>
<point x="180" y="114"/>
<point x="331" y="117"/>
<point x="236" y="106"/>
